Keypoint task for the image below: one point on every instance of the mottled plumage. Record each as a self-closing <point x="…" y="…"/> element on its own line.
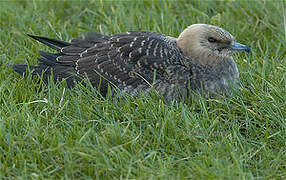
<point x="198" y="60"/>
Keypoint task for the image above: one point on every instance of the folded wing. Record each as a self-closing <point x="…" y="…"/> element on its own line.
<point x="124" y="60"/>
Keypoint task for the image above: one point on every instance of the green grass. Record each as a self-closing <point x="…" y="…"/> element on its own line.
<point x="48" y="131"/>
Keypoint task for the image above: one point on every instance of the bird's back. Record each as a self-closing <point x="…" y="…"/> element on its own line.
<point x="133" y="61"/>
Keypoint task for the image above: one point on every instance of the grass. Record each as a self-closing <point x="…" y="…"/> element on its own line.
<point x="48" y="131"/>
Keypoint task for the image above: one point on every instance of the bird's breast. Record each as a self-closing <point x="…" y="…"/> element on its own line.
<point x="213" y="80"/>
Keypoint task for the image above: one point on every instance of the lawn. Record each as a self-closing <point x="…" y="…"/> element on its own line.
<point x="49" y="131"/>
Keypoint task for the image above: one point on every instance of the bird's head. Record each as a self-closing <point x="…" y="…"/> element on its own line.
<point x="207" y="44"/>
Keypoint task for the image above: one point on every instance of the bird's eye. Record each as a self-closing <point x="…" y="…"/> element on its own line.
<point x="211" y="39"/>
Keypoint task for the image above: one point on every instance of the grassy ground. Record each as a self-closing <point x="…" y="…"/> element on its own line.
<point x="53" y="132"/>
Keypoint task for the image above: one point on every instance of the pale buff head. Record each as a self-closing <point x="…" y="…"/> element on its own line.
<point x="207" y="44"/>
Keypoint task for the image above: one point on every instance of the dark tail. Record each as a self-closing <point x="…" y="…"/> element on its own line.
<point x="52" y="43"/>
<point x="59" y="72"/>
<point x="20" y="68"/>
<point x="48" y="63"/>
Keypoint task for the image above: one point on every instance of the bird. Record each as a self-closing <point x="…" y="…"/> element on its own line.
<point x="198" y="61"/>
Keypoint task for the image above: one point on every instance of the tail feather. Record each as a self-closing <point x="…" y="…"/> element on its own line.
<point x="49" y="66"/>
<point x="47" y="62"/>
<point x="20" y="68"/>
<point x="48" y="58"/>
<point x="58" y="72"/>
<point x="49" y="55"/>
<point x="52" y="43"/>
